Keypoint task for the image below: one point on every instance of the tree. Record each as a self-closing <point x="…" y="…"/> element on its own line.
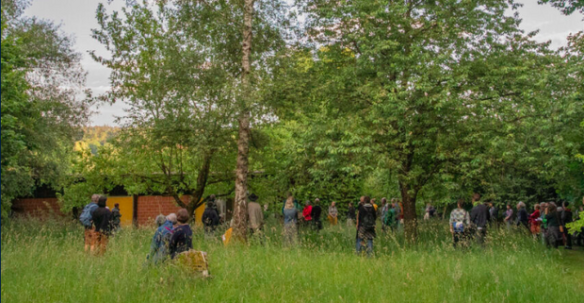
<point x="567" y="7"/>
<point x="430" y="86"/>
<point x="42" y="111"/>
<point x="180" y="98"/>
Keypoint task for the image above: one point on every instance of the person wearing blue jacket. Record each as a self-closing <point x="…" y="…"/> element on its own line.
<point x="159" y="250"/>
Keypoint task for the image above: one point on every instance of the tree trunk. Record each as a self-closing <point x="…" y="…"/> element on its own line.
<point x="202" y="178"/>
<point x="240" y="203"/>
<point x="410" y="216"/>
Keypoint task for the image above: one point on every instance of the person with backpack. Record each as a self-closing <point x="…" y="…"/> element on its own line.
<point x="459" y="223"/>
<point x="159" y="248"/>
<point x="210" y="219"/>
<point x="86" y="220"/>
<point x="102" y="219"/>
<point x="366" y="226"/>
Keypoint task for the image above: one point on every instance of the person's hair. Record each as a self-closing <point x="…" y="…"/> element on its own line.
<point x="566" y="203"/>
<point x="289" y="202"/>
<point x="552" y="207"/>
<point x="182" y="216"/>
<point x="102" y="200"/>
<point x="172" y="218"/>
<point x="307" y="202"/>
<point x="351" y="204"/>
<point x="316" y="201"/>
<point x="460" y="202"/>
<point x="521" y="204"/>
<point x="95" y="198"/>
<point x="366" y="199"/>
<point x="383" y="200"/>
<point x="537" y="206"/>
<point x="333" y="203"/>
<point x="509" y="206"/>
<point x="160" y="220"/>
<point x="117" y="205"/>
<point x="212" y="198"/>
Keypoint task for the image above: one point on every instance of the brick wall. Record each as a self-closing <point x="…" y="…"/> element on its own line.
<point x="37" y="207"/>
<point x="151" y="206"/>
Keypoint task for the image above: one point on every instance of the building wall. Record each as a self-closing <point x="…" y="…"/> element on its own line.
<point x="148" y="207"/>
<point x="151" y="206"/>
<point x="37" y="207"/>
<point x="126" y="208"/>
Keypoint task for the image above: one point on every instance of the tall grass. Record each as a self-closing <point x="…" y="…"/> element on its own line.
<point x="46" y="263"/>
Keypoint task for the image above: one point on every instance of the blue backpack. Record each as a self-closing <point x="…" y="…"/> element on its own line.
<point x="85" y="218"/>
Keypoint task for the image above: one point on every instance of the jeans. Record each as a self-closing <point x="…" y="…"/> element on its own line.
<point x="360" y="247"/>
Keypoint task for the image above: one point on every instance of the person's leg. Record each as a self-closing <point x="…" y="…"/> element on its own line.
<point x="358" y="245"/>
<point x="568" y="239"/>
<point x="93" y="240"/>
<point x="369" y="247"/>
<point x="86" y="238"/>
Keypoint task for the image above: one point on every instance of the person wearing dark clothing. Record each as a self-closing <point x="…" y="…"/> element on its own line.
<point x="480" y="217"/>
<point x="315" y="214"/>
<point x="566" y="217"/>
<point x="366" y="226"/>
<point x="210" y="219"/>
<point x="351" y="215"/>
<point x="103" y="225"/>
<point x="493" y="214"/>
<point x="116" y="217"/>
<point x="182" y="236"/>
<point x="552" y="219"/>
<point x="522" y="216"/>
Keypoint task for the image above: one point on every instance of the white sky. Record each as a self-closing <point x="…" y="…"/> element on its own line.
<point x="77" y="17"/>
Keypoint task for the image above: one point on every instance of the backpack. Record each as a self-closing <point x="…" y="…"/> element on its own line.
<point x="389" y="217"/>
<point x="85" y="218"/>
<point x="369" y="217"/>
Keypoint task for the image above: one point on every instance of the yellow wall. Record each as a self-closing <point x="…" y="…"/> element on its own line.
<point x="126" y="208"/>
<point x="199" y="215"/>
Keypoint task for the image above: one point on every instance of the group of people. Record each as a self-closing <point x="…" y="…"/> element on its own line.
<point x="548" y="220"/>
<point x="99" y="223"/>
<point x="172" y="237"/>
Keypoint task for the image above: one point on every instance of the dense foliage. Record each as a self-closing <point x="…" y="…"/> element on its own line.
<point x="43" y="107"/>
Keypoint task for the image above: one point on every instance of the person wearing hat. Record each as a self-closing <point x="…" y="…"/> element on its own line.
<point x="315" y="214"/>
<point x="255" y="215"/>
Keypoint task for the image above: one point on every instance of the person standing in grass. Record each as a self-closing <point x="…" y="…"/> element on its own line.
<point x="316" y="215"/>
<point x="255" y="216"/>
<point x="566" y="218"/>
<point x="333" y="213"/>
<point x="542" y="212"/>
<point x="351" y="215"/>
<point x="116" y="215"/>
<point x="159" y="248"/>
<point x="290" y="222"/>
<point x="86" y="219"/>
<point x="534" y="221"/>
<point x="508" y="216"/>
<point x="389" y="219"/>
<point x="553" y="233"/>
<point x="479" y="216"/>
<point x="366" y="226"/>
<point x="210" y="219"/>
<point x="182" y="237"/>
<point x="307" y="213"/>
<point x="459" y="223"/>
<point x="522" y="216"/>
<point x="494" y="214"/>
<point x="103" y="225"/>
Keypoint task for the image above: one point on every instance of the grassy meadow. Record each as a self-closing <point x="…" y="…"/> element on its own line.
<point x="46" y="263"/>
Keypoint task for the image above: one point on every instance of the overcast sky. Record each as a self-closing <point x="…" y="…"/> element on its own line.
<point x="77" y="17"/>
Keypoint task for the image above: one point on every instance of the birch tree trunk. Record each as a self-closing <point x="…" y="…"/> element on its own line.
<point x="240" y="204"/>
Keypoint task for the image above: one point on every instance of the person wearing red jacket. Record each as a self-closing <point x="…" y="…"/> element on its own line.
<point x="535" y="221"/>
<point x="306" y="213"/>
